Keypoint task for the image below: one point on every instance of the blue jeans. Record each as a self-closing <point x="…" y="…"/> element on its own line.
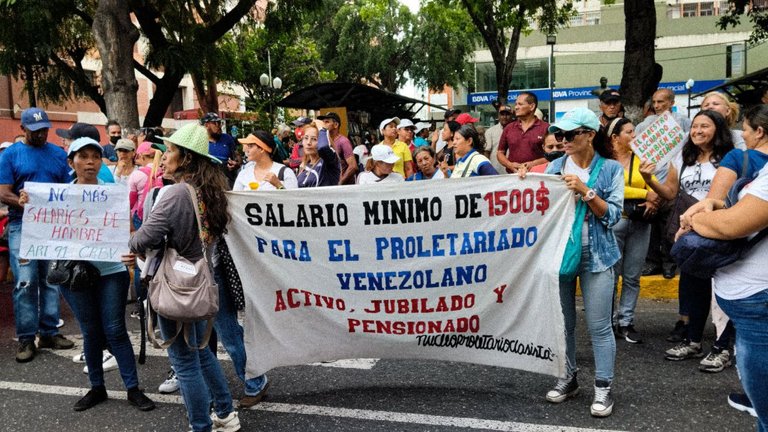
<point x="633" y="238"/>
<point x="101" y="315"/>
<point x="597" y="291"/>
<point x="35" y="303"/>
<point x="750" y="317"/>
<point x="199" y="373"/>
<point x="230" y="334"/>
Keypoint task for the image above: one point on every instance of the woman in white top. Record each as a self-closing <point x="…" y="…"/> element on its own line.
<point x="261" y="172"/>
<point x="379" y="166"/>
<point x="692" y="173"/>
<point x="741" y="288"/>
<point x="125" y="166"/>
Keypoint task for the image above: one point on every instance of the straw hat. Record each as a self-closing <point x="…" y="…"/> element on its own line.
<point x="194" y="138"/>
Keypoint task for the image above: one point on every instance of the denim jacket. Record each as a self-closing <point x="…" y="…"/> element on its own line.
<point x="609" y="185"/>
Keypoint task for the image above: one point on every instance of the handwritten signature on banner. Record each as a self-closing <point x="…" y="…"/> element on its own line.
<point x="75" y="222"/>
<point x="463" y="270"/>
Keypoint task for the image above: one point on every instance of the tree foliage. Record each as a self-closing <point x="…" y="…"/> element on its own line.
<point x="502" y="22"/>
<point x="756" y="15"/>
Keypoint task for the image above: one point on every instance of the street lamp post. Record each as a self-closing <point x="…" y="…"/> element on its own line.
<point x="689" y="87"/>
<point x="271" y="87"/>
<point x="551" y="41"/>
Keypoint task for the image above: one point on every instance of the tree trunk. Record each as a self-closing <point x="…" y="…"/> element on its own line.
<point x="30" y="84"/>
<point x="164" y="94"/>
<point x="115" y="37"/>
<point x="640" y="76"/>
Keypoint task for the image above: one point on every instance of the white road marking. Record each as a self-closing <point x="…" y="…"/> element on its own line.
<point x="358" y="414"/>
<point x="222" y="353"/>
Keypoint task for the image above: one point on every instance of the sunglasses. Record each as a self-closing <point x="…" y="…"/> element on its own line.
<point x="568" y="136"/>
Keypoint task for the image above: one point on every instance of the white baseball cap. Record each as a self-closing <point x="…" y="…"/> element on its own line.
<point x="405" y="123"/>
<point x="384" y="153"/>
<point x="420" y="126"/>
<point x="388" y="121"/>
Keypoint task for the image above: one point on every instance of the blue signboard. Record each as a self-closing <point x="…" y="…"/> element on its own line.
<point x="560" y="94"/>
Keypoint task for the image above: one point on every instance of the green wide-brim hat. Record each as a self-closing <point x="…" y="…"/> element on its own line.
<point x="194" y="138"/>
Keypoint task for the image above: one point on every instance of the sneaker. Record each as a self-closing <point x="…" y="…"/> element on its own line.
<point x="565" y="388"/>
<point x="651" y="269"/>
<point x="683" y="351"/>
<point x="679" y="332"/>
<point x="230" y="423"/>
<point x="602" y="404"/>
<point x="629" y="334"/>
<point x="715" y="361"/>
<point x="138" y="399"/>
<point x="94" y="397"/>
<point x="249" y="401"/>
<point x="56" y="342"/>
<point x="79" y="358"/>
<point x="741" y="402"/>
<point x="60" y="324"/>
<point x="108" y="362"/>
<point x="170" y="385"/>
<point x="26" y="351"/>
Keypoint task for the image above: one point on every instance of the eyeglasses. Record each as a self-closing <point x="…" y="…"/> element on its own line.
<point x="568" y="136"/>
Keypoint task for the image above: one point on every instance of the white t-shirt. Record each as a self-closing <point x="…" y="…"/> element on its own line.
<point x="749" y="275"/>
<point x="371" y="178"/>
<point x="246" y="181"/>
<point x="697" y="178"/>
<point x="583" y="175"/>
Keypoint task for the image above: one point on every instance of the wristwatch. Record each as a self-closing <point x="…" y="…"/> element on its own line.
<point x="589" y="195"/>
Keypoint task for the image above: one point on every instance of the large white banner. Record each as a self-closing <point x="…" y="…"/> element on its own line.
<point x="75" y="222"/>
<point x="460" y="270"/>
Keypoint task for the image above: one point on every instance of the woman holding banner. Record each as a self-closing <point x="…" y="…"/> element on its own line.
<point x="597" y="181"/>
<point x="690" y="179"/>
<point x="101" y="312"/>
<point x="173" y="220"/>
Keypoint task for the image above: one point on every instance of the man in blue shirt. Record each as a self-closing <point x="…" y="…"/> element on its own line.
<point x="35" y="303"/>
<point x="222" y="146"/>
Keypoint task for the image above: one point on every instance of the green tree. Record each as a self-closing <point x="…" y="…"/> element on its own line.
<point x="757" y="15"/>
<point x="502" y="22"/>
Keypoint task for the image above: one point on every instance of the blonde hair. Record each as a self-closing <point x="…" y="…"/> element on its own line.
<point x="305" y="128"/>
<point x="734" y="107"/>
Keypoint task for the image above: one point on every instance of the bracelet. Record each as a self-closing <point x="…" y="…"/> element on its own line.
<point x="280" y="186"/>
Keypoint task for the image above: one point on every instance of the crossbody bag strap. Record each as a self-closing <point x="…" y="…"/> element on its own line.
<point x="195" y="205"/>
<point x="469" y="162"/>
<point x="745" y="164"/>
<point x="631" y="166"/>
<point x="596" y="171"/>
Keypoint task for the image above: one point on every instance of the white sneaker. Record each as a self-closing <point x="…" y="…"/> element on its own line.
<point x="60" y="324"/>
<point x="108" y="362"/>
<point x="230" y="423"/>
<point x="80" y="358"/>
<point x="170" y="385"/>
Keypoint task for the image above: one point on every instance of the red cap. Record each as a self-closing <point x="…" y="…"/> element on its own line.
<point x="465" y="118"/>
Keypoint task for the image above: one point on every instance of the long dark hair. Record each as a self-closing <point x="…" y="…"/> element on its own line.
<point x="469" y="132"/>
<point x="722" y="142"/>
<point x="200" y="172"/>
<point x="602" y="145"/>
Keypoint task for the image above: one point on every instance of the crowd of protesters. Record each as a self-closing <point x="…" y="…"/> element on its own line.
<point x="624" y="200"/>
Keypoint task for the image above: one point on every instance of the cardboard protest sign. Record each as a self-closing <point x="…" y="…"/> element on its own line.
<point x="75" y="222"/>
<point x="462" y="270"/>
<point x="660" y="141"/>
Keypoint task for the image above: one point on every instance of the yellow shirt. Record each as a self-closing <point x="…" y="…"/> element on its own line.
<point x="638" y="189"/>
<point x="404" y="153"/>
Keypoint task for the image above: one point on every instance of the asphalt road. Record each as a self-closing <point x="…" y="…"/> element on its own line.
<point x="387" y="395"/>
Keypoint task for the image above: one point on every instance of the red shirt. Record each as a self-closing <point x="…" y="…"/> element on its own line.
<point x="522" y="146"/>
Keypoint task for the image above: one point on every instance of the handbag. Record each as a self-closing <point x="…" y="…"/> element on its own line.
<point x="682" y="203"/>
<point x="569" y="267"/>
<point x="231" y="276"/>
<point x="634" y="209"/>
<point x="184" y="291"/>
<point x="702" y="256"/>
<point x="77" y="276"/>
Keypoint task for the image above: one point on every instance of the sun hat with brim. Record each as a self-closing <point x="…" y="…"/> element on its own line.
<point x="384" y="153"/>
<point x="574" y="119"/>
<point x="80" y="143"/>
<point x="385" y="122"/>
<point x="253" y="139"/>
<point x="125" y="144"/>
<point x="194" y="138"/>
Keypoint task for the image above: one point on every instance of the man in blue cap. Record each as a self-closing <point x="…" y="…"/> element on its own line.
<point x="35" y="303"/>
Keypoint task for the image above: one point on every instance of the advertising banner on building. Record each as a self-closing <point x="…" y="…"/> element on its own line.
<point x="75" y="222"/>
<point x="459" y="270"/>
